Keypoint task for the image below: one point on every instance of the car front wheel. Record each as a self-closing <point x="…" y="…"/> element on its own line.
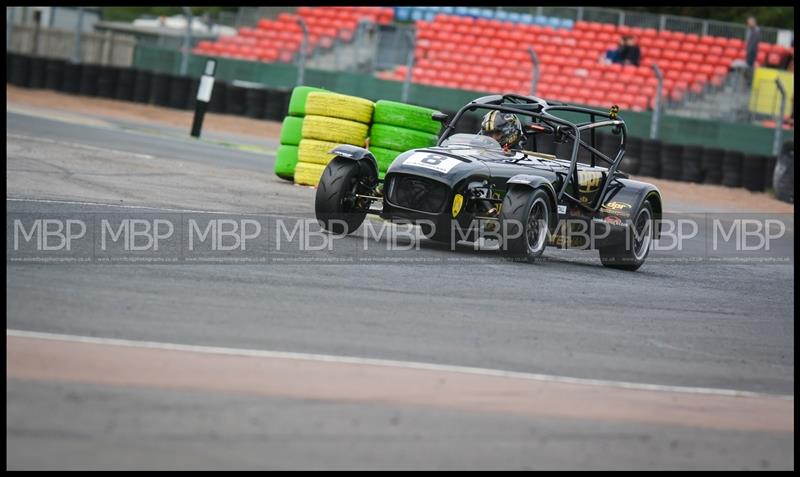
<point x="525" y="219"/>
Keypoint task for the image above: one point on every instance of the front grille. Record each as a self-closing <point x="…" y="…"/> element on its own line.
<point x="418" y="193"/>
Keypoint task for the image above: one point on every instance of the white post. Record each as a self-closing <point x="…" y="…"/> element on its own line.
<point x="409" y="65"/>
<point x="301" y="61"/>
<point x="776" y="145"/>
<point x="535" y="76"/>
<point x="657" y="109"/>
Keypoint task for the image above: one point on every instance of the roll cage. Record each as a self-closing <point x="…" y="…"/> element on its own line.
<point x="545" y="122"/>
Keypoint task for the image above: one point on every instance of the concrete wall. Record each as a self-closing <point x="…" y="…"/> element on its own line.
<point x="98" y="48"/>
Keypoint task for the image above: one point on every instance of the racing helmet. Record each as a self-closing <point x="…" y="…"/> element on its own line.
<point x="506" y="128"/>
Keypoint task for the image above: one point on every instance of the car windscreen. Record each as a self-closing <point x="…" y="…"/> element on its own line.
<point x="472" y="140"/>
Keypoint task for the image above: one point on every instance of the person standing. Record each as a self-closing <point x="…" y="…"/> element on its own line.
<point x="751" y="41"/>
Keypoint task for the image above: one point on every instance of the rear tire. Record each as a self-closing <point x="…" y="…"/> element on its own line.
<point x="632" y="257"/>
<point x="335" y="203"/>
<point x="525" y="220"/>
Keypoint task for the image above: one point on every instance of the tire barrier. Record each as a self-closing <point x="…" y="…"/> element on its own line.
<point x="291" y="131"/>
<point x="20" y="70"/>
<point x="125" y="84"/>
<point x="274" y="105"/>
<point x="159" y="89"/>
<point x="179" y="92"/>
<point x="399" y="127"/>
<point x="692" y="164"/>
<point x="234" y="100"/>
<point x="384" y="157"/>
<point x="336" y="130"/>
<point x="255" y="101"/>
<point x="753" y="172"/>
<point x="308" y="174"/>
<point x="633" y="153"/>
<point x="783" y="178"/>
<point x="72" y="78"/>
<point x="341" y="106"/>
<point x="400" y="139"/>
<point x="285" y="161"/>
<point x="107" y="79"/>
<point x="732" y="168"/>
<point x="330" y="119"/>
<point x="406" y="116"/>
<point x="712" y="165"/>
<point x="279" y="102"/>
<point x="608" y="144"/>
<point x="769" y="171"/>
<point x="671" y="155"/>
<point x="38" y="72"/>
<point x="9" y="65"/>
<point x="143" y="86"/>
<point x="297" y="102"/>
<point x="650" y="161"/>
<point x="218" y="95"/>
<point x="194" y="85"/>
<point x="54" y="76"/>
<point x="88" y="81"/>
<point x="312" y="151"/>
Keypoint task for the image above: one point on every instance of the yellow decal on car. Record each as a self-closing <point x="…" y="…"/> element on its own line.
<point x="458" y="200"/>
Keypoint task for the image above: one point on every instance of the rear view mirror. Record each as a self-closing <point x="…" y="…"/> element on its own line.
<point x="440" y="117"/>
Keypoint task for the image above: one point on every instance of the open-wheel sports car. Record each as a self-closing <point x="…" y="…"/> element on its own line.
<point x="468" y="186"/>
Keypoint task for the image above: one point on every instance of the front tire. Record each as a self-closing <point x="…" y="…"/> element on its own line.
<point x="632" y="256"/>
<point x="525" y="220"/>
<point x="336" y="204"/>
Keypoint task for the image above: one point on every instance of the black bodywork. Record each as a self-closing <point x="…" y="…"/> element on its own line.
<point x="421" y="185"/>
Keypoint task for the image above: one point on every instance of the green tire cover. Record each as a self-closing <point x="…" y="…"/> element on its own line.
<point x="384" y="157"/>
<point x="297" y="103"/>
<point x="406" y="116"/>
<point x="285" y="162"/>
<point x="399" y="139"/>
<point x="291" y="131"/>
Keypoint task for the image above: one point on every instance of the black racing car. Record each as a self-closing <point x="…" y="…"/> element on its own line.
<point x="468" y="186"/>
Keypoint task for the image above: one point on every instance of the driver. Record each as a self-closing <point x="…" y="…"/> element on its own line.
<point x="505" y="128"/>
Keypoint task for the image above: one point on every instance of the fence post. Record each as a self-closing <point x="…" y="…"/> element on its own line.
<point x="657" y="107"/>
<point x="10" y="26"/>
<point x="580" y="14"/>
<point x="37" y="18"/>
<point x="76" y="53"/>
<point x="662" y="22"/>
<point x="187" y="41"/>
<point x="535" y="76"/>
<point x="621" y="18"/>
<point x="301" y="60"/>
<point x="409" y="65"/>
<point x="776" y="145"/>
<point x="705" y="28"/>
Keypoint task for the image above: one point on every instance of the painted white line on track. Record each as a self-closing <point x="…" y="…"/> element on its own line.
<point x="388" y="363"/>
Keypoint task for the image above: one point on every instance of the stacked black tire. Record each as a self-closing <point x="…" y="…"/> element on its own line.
<point x="753" y="167"/>
<point x="712" y="165"/>
<point x="783" y="177"/>
<point x="671" y="161"/>
<point x="692" y="164"/>
<point x="650" y="161"/>
<point x="632" y="159"/>
<point x="732" y="168"/>
<point x="399" y="127"/>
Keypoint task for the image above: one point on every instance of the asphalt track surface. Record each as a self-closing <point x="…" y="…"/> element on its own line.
<point x="721" y="325"/>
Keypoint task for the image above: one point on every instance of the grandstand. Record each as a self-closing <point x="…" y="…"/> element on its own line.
<point x="485" y="50"/>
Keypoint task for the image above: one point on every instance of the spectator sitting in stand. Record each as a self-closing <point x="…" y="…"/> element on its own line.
<point x="615" y="55"/>
<point x="631" y="52"/>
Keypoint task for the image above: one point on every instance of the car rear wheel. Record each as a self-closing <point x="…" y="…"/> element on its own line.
<point x="631" y="254"/>
<point x="337" y="208"/>
<point x="525" y="221"/>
